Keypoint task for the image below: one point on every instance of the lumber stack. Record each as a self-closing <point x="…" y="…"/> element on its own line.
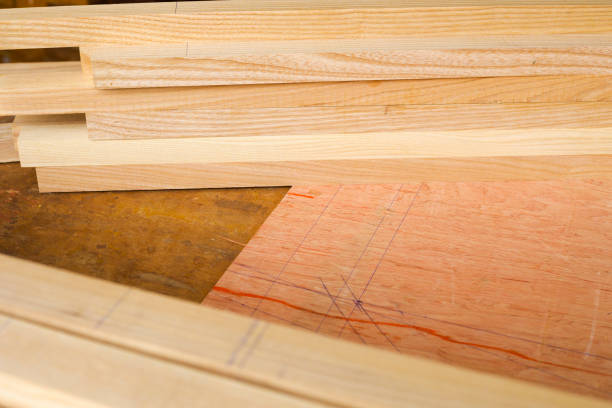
<point x="237" y="93"/>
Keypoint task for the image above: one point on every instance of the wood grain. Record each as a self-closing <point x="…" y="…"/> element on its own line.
<point x="67" y="144"/>
<point x="132" y="339"/>
<point x="46" y="367"/>
<point x="219" y="175"/>
<point x="300" y="19"/>
<point x="320" y="120"/>
<point x="8" y="153"/>
<point x="509" y="277"/>
<point x="219" y="63"/>
<point x="60" y="87"/>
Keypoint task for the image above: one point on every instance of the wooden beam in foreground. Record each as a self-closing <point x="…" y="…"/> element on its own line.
<point x="335" y="119"/>
<point x="42" y="366"/>
<point x="219" y="175"/>
<point x="75" y="26"/>
<point x="72" y="340"/>
<point x="61" y="143"/>
<point x="220" y="63"/>
<point x="8" y="152"/>
<point x="61" y="87"/>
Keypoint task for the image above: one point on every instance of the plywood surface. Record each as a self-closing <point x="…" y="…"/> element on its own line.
<point x="508" y="277"/>
<point x="61" y="87"/>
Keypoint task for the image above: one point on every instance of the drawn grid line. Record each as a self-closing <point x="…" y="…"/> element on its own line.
<point x="340" y="310"/>
<point x="385" y="252"/>
<point x="388" y="208"/>
<point x="297" y="248"/>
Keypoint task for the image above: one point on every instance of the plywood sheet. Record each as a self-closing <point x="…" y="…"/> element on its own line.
<point x="509" y="277"/>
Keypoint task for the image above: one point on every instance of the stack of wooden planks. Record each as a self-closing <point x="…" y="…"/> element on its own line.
<point x="336" y="97"/>
<point x="237" y="93"/>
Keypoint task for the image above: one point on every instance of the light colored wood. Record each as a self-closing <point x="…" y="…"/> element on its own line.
<point x="115" y="329"/>
<point x="219" y="175"/>
<point x="389" y="46"/>
<point x="60" y="87"/>
<point x="67" y="144"/>
<point x="300" y="19"/>
<point x="8" y="152"/>
<point x="337" y="119"/>
<point x="508" y="277"/>
<point x="47" y="367"/>
<point x="220" y="63"/>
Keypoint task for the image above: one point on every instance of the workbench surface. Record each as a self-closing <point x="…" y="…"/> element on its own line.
<point x="173" y="242"/>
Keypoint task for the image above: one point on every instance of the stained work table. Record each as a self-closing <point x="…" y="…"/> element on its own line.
<point x="173" y="242"/>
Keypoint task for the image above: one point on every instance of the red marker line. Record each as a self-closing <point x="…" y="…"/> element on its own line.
<point x="300" y="195"/>
<point x="429" y="331"/>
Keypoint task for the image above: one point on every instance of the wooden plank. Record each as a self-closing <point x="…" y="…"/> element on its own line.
<point x="262" y="62"/>
<point x="220" y="175"/>
<point x="60" y="87"/>
<point x="67" y="144"/>
<point x="293" y="363"/>
<point x="40" y="366"/>
<point x="298" y="19"/>
<point x="8" y="153"/>
<point x="321" y="120"/>
<point x="508" y="277"/>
